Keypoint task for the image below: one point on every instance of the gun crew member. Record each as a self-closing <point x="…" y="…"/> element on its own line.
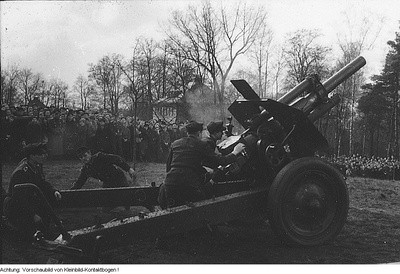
<point x="215" y="130"/>
<point x="185" y="173"/>
<point x="23" y="208"/>
<point x="108" y="168"/>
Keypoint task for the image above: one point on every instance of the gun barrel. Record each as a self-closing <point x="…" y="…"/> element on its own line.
<point x="329" y="85"/>
<point x="343" y="74"/>
<point x="295" y="92"/>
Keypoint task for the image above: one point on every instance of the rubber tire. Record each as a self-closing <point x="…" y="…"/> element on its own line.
<point x="283" y="193"/>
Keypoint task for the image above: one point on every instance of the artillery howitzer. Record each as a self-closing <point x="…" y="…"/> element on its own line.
<point x="306" y="199"/>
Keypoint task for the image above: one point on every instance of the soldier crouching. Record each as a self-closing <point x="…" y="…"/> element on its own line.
<point x="111" y="169"/>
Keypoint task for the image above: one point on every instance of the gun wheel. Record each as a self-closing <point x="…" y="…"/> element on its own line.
<point x="308" y="202"/>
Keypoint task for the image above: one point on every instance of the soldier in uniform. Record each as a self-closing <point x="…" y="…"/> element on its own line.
<point x="215" y="130"/>
<point x="108" y="168"/>
<point x="23" y="208"/>
<point x="185" y="173"/>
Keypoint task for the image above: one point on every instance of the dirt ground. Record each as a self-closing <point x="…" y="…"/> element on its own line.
<point x="371" y="234"/>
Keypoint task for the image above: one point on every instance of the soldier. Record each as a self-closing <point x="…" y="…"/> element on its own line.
<point x="215" y="130"/>
<point x="108" y="168"/>
<point x="185" y="173"/>
<point x="24" y="209"/>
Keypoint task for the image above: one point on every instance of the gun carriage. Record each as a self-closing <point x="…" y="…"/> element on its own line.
<point x="305" y="198"/>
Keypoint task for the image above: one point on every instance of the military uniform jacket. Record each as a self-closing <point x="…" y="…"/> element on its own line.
<point x="186" y="159"/>
<point x="212" y="144"/>
<point x="104" y="167"/>
<point x="26" y="172"/>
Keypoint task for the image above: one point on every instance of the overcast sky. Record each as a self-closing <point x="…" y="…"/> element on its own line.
<point x="60" y="38"/>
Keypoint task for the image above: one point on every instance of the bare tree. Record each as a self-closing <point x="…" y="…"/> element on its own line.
<point x="304" y="56"/>
<point x="99" y="73"/>
<point x="358" y="36"/>
<point x="148" y="53"/>
<point x="277" y="68"/>
<point x="84" y="90"/>
<point x="129" y="69"/>
<point x="215" y="39"/>
<point x="29" y="83"/>
<point x="58" y="90"/>
<point x="182" y="70"/>
<point x="9" y="82"/>
<point x="107" y="75"/>
<point x="260" y="54"/>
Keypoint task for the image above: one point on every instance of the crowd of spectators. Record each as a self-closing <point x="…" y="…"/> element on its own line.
<point x="369" y="167"/>
<point x="64" y="130"/>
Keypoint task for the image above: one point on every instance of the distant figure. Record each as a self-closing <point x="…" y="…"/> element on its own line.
<point x="103" y="137"/>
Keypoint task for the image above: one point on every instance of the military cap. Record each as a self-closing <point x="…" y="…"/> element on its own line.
<point x="35" y="149"/>
<point x="194" y="126"/>
<point x="214" y="127"/>
<point x="82" y="150"/>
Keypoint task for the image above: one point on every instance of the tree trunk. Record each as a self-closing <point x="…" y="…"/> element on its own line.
<point x="396" y="150"/>
<point x="351" y="128"/>
<point x="371" y="141"/>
